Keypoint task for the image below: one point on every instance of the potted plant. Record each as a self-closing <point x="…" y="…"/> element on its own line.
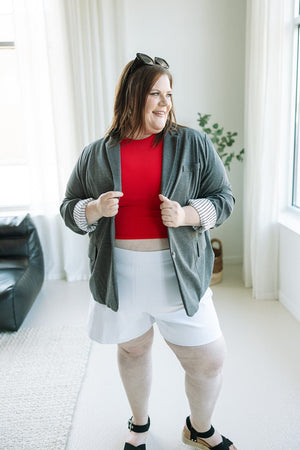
<point x="223" y="141"/>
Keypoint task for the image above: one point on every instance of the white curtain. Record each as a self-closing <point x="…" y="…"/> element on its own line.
<point x="68" y="68"/>
<point x="266" y="121"/>
<point x="95" y="34"/>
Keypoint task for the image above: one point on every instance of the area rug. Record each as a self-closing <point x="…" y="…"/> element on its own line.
<point x="41" y="372"/>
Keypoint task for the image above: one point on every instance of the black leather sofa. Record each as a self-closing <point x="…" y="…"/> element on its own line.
<point x="21" y="269"/>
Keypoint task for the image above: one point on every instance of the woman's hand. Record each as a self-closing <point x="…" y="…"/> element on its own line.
<point x="173" y="215"/>
<point x="106" y="205"/>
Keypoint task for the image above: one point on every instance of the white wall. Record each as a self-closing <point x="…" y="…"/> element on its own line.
<point x="289" y="220"/>
<point x="289" y="268"/>
<point x="204" y="43"/>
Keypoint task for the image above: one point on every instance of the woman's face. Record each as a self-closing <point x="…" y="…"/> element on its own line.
<point x="158" y="105"/>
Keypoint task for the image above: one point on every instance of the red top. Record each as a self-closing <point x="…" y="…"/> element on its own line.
<point x="139" y="215"/>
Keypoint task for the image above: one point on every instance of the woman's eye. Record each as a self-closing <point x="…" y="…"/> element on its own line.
<point x="156" y="94"/>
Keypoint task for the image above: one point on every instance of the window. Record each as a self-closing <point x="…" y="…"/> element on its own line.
<point x="296" y="161"/>
<point x="14" y="186"/>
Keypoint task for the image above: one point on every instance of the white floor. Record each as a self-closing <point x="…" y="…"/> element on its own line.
<point x="259" y="406"/>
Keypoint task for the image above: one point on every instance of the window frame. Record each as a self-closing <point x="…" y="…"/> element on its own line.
<point x="295" y="194"/>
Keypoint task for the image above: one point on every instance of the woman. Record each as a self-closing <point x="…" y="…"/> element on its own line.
<point x="148" y="193"/>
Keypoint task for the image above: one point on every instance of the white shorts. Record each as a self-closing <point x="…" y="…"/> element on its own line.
<point x="149" y="293"/>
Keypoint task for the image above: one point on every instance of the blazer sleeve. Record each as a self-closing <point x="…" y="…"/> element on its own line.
<point x="214" y="184"/>
<point x="75" y="191"/>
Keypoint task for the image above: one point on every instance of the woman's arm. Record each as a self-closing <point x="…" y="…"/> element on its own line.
<point x="174" y="215"/>
<point x="106" y="205"/>
<point x="215" y="202"/>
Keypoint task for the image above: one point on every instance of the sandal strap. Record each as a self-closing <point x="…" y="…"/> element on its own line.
<point x="138" y="428"/>
<point x="132" y="447"/>
<point x="195" y="434"/>
<point x="224" y="445"/>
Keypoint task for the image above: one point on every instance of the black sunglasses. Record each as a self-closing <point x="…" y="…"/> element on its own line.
<point x="145" y="60"/>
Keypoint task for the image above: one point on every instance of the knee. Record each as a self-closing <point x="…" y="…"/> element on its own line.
<point x="210" y="364"/>
<point x="137" y="347"/>
<point x="210" y="367"/>
<point x="204" y="361"/>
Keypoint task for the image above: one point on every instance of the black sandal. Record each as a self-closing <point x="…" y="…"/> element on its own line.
<point x="192" y="437"/>
<point x="137" y="429"/>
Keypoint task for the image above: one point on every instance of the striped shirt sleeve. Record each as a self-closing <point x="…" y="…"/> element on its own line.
<point x="80" y="217"/>
<point x="203" y="206"/>
<point x="206" y="211"/>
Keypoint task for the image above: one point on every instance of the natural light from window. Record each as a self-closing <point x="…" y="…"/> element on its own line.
<point x="14" y="186"/>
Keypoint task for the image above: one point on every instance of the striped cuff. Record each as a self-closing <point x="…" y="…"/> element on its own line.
<point x="80" y="218"/>
<point x="206" y="211"/>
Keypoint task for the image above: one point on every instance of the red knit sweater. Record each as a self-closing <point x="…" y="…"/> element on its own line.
<point x="139" y="215"/>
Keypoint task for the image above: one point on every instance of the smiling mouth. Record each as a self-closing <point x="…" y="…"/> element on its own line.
<point x="159" y="113"/>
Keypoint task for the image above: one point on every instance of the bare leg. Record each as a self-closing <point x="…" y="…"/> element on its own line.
<point x="135" y="366"/>
<point x="203" y="378"/>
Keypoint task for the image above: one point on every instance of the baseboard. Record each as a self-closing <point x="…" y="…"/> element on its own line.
<point x="232" y="259"/>
<point x="290" y="305"/>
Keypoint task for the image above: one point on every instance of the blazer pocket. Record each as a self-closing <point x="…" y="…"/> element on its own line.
<point x="92" y="254"/>
<point x="201" y="244"/>
<point x="187" y="182"/>
<point x="191" y="167"/>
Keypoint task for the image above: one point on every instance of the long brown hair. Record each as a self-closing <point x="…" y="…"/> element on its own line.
<point x="130" y="99"/>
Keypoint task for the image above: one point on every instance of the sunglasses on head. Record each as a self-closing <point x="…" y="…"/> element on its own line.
<point x="145" y="60"/>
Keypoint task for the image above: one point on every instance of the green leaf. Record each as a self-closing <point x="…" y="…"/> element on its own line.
<point x="240" y="156"/>
<point x="221" y="142"/>
<point x="203" y="119"/>
<point x="229" y="158"/>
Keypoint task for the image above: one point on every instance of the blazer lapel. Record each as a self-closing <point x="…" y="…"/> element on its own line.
<point x="170" y="163"/>
<point x="114" y="158"/>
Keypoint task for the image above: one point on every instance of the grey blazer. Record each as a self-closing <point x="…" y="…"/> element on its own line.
<point x="191" y="169"/>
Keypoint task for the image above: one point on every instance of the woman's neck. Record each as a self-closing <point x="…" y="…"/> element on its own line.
<point x="140" y="136"/>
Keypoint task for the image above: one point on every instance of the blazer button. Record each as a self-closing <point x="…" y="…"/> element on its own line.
<point x="173" y="254"/>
